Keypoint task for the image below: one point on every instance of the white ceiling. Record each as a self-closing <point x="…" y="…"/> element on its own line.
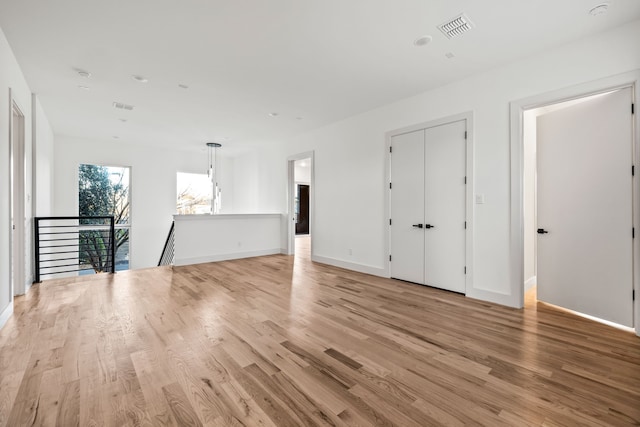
<point x="242" y="59"/>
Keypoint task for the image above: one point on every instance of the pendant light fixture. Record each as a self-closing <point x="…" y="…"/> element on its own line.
<point x="212" y="169"/>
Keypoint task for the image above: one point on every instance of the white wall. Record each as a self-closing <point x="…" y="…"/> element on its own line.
<point x="302" y="174"/>
<point x="209" y="238"/>
<point x="350" y="156"/>
<point x="260" y="180"/>
<point x="11" y="78"/>
<point x="153" y="185"/>
<point x="43" y="145"/>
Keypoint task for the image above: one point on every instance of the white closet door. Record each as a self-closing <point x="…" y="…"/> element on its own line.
<point x="445" y="168"/>
<point x="584" y="159"/>
<point x="407" y="207"/>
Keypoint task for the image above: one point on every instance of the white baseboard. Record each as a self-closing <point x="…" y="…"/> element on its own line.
<point x="495" y="297"/>
<point x="6" y="314"/>
<point x="225" y="257"/>
<point x="530" y="283"/>
<point x="361" y="268"/>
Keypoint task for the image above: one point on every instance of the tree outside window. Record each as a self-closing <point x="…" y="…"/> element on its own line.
<point x="194" y="194"/>
<point x="103" y="191"/>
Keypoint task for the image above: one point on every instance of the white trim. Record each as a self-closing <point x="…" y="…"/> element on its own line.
<point x="6" y="314"/>
<point x="517" y="108"/>
<point x="469" y="205"/>
<point x="209" y="217"/>
<point x="491" y="296"/>
<point x="290" y="227"/>
<point x="18" y="286"/>
<point x="226" y="257"/>
<point x="361" y="268"/>
<point x="530" y="283"/>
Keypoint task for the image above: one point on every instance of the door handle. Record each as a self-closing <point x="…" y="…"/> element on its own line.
<point x="417" y="225"/>
<point x="429" y="226"/>
<point x="542" y="231"/>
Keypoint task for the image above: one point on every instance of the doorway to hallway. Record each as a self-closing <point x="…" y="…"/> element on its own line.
<point x="300" y="169"/>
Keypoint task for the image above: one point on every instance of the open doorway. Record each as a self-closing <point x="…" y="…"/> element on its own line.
<point x="300" y="189"/>
<point x="578" y="161"/>
<point x="18" y="210"/>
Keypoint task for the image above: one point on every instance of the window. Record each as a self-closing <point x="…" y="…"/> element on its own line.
<point x="104" y="191"/>
<point x="194" y="194"/>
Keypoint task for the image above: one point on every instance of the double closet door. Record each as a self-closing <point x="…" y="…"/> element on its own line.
<point x="428" y="193"/>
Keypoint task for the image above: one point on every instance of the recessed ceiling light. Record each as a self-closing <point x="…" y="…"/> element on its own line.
<point x="449" y="55"/>
<point x="140" y="79"/>
<point x="183" y="86"/>
<point x="116" y="137"/>
<point x="599" y="9"/>
<point x="123" y="120"/>
<point x="422" y="41"/>
<point x="83" y="73"/>
<point x="83" y="87"/>
<point x="273" y="114"/>
<point x="298" y="118"/>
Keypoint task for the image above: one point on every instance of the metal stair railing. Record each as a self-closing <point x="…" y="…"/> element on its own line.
<point x="81" y="242"/>
<point x="167" y="256"/>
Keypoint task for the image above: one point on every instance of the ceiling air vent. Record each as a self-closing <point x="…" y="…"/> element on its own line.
<point x="121" y="106"/>
<point x="456" y="26"/>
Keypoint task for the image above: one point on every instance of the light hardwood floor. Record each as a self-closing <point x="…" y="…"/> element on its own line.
<point x="274" y="341"/>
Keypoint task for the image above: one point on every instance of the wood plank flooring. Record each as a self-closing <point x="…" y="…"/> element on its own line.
<point x="274" y="341"/>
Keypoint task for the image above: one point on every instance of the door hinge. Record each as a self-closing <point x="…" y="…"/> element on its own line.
<point x="391" y="149"/>
<point x="465" y="225"/>
<point x="633" y="295"/>
<point x="390" y="186"/>
<point x="389" y="257"/>
<point x="465" y="134"/>
<point x="633" y="170"/>
<point x="389" y="221"/>
<point x="465" y="269"/>
<point x="633" y="108"/>
<point x="465" y="180"/>
<point x="633" y="233"/>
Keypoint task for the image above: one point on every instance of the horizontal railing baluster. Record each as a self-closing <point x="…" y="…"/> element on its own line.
<point x="45" y="255"/>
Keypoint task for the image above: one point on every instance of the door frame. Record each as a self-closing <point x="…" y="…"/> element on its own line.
<point x="18" y="273"/>
<point x="517" y="109"/>
<point x="469" y="207"/>
<point x="291" y="195"/>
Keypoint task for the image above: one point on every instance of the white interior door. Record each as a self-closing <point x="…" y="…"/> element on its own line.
<point x="445" y="168"/>
<point x="407" y="207"/>
<point x="584" y="159"/>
